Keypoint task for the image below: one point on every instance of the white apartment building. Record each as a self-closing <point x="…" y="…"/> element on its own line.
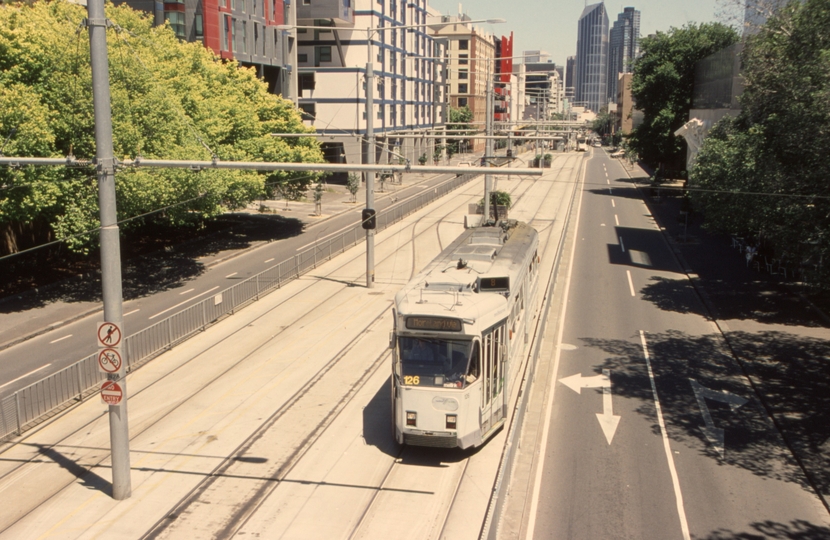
<point x="342" y="38"/>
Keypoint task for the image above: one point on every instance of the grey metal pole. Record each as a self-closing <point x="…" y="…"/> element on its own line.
<point x="110" y="246"/>
<point x="370" y="160"/>
<point x="488" y="146"/>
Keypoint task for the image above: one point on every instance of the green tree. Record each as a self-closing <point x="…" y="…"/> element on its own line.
<point x="603" y="124"/>
<point x="353" y="185"/>
<point x="662" y="87"/>
<point x="774" y="153"/>
<point x="459" y="118"/>
<point x="170" y="100"/>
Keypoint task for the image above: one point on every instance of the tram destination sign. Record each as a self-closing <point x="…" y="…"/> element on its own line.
<point x="440" y="324"/>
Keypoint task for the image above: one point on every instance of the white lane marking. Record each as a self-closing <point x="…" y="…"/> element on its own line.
<point x="182" y="303"/>
<point x="684" y="526"/>
<point x="630" y="283"/>
<point x="133" y="311"/>
<point x="187" y="291"/>
<point x="537" y="482"/>
<point x="26" y="375"/>
<point x="269" y="260"/>
<point x="622" y="246"/>
<point x="231" y="275"/>
<point x="607" y="181"/>
<point x="613" y="204"/>
<point x="617" y="220"/>
<point x="61" y="338"/>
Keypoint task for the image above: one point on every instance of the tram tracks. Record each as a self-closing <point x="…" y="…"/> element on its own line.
<point x="297" y="452"/>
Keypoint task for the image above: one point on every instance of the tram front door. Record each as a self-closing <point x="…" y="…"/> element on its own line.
<point x="494" y="347"/>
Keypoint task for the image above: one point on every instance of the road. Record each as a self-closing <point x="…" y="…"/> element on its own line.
<point x="650" y="429"/>
<point x="51" y="351"/>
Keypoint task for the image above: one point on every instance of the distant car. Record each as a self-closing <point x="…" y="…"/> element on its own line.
<point x="597" y="145"/>
<point x="618" y="154"/>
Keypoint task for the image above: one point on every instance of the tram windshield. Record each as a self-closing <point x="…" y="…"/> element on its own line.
<point x="434" y="362"/>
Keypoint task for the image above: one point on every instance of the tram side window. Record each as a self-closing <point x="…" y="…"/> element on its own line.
<point x="488" y="349"/>
<point x="497" y="340"/>
<point x="475" y="364"/>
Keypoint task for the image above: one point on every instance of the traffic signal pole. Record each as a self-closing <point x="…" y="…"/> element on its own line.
<point x="110" y="243"/>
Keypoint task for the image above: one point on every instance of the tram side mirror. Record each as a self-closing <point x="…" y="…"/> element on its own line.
<point x="392" y="340"/>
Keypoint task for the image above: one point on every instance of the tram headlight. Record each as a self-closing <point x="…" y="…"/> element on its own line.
<point x="411" y="418"/>
<point x="452" y="421"/>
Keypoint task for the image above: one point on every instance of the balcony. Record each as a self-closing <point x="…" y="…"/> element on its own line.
<point x="340" y="11"/>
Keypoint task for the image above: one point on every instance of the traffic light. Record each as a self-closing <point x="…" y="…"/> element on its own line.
<point x="368" y="218"/>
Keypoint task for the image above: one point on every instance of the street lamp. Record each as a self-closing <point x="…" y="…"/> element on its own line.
<point x="369" y="212"/>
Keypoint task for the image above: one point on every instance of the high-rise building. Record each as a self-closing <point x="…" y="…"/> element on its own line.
<point x="570" y="68"/>
<point x="623" y="47"/>
<point x="591" y="82"/>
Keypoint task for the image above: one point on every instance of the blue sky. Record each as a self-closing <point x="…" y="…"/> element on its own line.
<point x="550" y="25"/>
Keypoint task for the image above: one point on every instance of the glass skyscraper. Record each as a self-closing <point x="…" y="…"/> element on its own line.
<point x="623" y="47"/>
<point x="591" y="82"/>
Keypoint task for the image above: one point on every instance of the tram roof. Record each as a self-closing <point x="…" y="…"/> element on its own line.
<point x="450" y="280"/>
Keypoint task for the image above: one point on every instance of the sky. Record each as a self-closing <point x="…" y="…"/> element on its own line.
<point x="550" y="25"/>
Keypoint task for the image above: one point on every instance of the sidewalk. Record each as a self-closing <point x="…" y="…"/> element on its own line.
<point x="28" y="315"/>
<point x="779" y="338"/>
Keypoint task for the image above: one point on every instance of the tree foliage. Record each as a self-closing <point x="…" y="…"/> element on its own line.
<point x="459" y="119"/>
<point x="602" y="124"/>
<point x="170" y="100"/>
<point x="662" y="87"/>
<point x="777" y="148"/>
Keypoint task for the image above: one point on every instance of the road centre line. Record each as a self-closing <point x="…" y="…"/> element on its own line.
<point x="684" y="526"/>
<point x="613" y="204"/>
<point x="187" y="291"/>
<point x="269" y="260"/>
<point x="131" y="312"/>
<point x="231" y="275"/>
<point x="26" y="375"/>
<point x="537" y="482"/>
<point x="621" y="242"/>
<point x="182" y="303"/>
<point x="61" y="338"/>
<point x="630" y="283"/>
<point x="617" y="221"/>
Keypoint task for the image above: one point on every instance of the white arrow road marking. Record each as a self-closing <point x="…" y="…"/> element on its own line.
<point x="714" y="434"/>
<point x="607" y="420"/>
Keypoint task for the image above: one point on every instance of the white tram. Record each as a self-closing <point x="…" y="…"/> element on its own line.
<point x="461" y="328"/>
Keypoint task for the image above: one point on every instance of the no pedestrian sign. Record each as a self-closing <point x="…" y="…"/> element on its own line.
<point x="111" y="393"/>
<point x="109" y="334"/>
<point x="109" y="360"/>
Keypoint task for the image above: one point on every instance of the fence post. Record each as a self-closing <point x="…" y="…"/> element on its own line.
<point x="169" y="333"/>
<point x="204" y="315"/>
<point x="233" y="301"/>
<point x="279" y="275"/>
<point x="80" y="382"/>
<point x="257" y="287"/>
<point x="297" y="264"/>
<point x="17" y="407"/>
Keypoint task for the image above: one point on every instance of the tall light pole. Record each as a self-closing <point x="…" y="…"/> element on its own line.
<point x="110" y="243"/>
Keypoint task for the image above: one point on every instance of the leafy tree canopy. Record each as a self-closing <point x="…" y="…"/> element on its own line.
<point x="170" y="100"/>
<point x="777" y="148"/>
<point x="662" y="86"/>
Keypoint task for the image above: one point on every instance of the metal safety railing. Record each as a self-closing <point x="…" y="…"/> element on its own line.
<point x="36" y="402"/>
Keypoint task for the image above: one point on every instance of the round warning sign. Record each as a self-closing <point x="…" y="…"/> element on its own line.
<point x="111" y="393"/>
<point x="109" y="334"/>
<point x="109" y="360"/>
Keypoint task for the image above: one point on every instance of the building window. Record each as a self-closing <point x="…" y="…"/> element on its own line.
<point x="309" y="111"/>
<point x="302" y="58"/>
<point x="244" y="38"/>
<point x="306" y="2"/>
<point x="176" y="20"/>
<point x="463" y="74"/>
<point x="198" y="26"/>
<point x="321" y="54"/>
<point x="462" y="88"/>
<point x="306" y="81"/>
<point x="462" y="102"/>
<point x="463" y="44"/>
<point x="462" y="59"/>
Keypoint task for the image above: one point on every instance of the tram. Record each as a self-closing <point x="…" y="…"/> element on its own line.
<point x="461" y="327"/>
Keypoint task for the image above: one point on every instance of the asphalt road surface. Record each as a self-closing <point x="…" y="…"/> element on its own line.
<point x="651" y="431"/>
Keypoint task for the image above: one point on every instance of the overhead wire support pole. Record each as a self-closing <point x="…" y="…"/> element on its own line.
<point x="370" y="160"/>
<point x="488" y="146"/>
<point x="110" y="244"/>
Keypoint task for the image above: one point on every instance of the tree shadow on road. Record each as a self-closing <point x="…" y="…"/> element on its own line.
<point x="795" y="530"/>
<point x="158" y="260"/>
<point x="792" y="377"/>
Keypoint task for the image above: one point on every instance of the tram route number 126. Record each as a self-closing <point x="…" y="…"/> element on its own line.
<point x="414" y="380"/>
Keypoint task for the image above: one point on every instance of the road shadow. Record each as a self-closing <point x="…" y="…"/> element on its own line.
<point x="791" y="374"/>
<point x="641" y="248"/>
<point x="154" y="260"/>
<point x="795" y="530"/>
